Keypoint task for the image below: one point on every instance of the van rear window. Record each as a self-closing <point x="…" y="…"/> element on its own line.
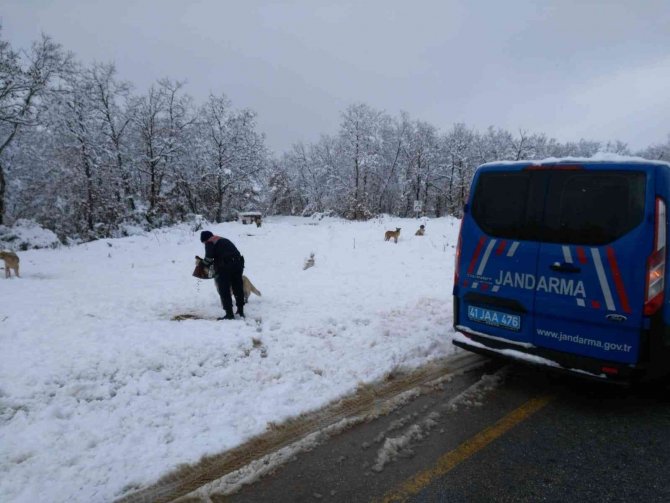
<point x="593" y="208"/>
<point x="572" y="207"/>
<point x="500" y="204"/>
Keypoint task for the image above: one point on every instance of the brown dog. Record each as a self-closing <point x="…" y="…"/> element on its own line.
<point x="392" y="234"/>
<point x="11" y="262"/>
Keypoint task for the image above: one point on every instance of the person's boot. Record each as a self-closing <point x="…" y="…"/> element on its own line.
<point x="229" y="315"/>
<point x="240" y="311"/>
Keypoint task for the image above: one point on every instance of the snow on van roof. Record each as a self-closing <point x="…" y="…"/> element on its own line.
<point x="598" y="157"/>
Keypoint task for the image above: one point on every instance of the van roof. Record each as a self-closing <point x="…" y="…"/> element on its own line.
<point x="597" y="159"/>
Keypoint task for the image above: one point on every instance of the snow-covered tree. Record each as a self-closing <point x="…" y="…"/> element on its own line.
<point x="360" y="147"/>
<point x="660" y="152"/>
<point x="112" y="110"/>
<point x="161" y="120"/>
<point x="24" y="78"/>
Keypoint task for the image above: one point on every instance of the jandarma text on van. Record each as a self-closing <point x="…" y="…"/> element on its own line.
<point x="578" y="339"/>
<point x="560" y="286"/>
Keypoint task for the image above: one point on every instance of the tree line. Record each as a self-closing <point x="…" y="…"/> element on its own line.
<point x="377" y="163"/>
<point x="84" y="155"/>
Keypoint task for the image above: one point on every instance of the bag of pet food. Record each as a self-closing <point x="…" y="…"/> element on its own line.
<point x="201" y="271"/>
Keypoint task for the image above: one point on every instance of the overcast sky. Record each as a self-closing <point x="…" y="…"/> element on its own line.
<point x="571" y="69"/>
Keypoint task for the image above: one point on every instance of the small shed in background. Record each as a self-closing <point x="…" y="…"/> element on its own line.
<point x="250" y="217"/>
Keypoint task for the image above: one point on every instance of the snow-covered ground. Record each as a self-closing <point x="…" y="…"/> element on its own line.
<point x="101" y="392"/>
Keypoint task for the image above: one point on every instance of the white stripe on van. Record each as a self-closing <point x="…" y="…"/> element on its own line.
<point x="567" y="255"/>
<point x="609" y="302"/>
<point x="512" y="249"/>
<point x="581" y="303"/>
<point x="487" y="254"/>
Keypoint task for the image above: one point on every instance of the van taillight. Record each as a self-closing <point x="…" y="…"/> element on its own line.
<point x="457" y="257"/>
<point x="656" y="263"/>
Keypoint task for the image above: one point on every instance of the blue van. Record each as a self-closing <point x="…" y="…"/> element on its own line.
<point x="562" y="263"/>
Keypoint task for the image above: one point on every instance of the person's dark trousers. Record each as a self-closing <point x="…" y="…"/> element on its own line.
<point x="237" y="286"/>
<point x="223" y="287"/>
<point x="231" y="277"/>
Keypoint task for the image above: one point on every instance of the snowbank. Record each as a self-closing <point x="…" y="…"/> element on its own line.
<point x="26" y="235"/>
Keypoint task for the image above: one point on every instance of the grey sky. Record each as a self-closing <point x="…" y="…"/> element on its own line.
<point x="571" y="69"/>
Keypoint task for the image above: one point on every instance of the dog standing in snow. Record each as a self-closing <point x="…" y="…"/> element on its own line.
<point x="248" y="288"/>
<point x="11" y="262"/>
<point x="388" y="235"/>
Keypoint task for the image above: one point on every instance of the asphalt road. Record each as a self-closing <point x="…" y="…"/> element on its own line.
<point x="500" y="433"/>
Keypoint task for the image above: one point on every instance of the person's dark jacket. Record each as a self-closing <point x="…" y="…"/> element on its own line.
<point x="221" y="252"/>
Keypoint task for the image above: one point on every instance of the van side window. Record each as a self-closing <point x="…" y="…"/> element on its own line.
<point x="593" y="208"/>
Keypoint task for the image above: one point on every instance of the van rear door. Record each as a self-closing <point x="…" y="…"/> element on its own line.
<point x="590" y="283"/>
<point x="497" y="262"/>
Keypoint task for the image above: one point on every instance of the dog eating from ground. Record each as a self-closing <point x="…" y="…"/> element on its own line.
<point x="11" y="262"/>
<point x="388" y="235"/>
<point x="203" y="272"/>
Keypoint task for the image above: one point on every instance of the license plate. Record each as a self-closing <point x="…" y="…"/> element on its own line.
<point x="494" y="318"/>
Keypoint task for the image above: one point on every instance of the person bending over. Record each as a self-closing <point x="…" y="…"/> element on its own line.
<point x="228" y="266"/>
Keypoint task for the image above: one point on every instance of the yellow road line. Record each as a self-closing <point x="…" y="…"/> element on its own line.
<point x="471" y="446"/>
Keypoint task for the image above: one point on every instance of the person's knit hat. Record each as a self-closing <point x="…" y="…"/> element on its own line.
<point x="205" y="235"/>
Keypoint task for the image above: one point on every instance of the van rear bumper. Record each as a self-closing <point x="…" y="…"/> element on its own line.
<point x="556" y="361"/>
